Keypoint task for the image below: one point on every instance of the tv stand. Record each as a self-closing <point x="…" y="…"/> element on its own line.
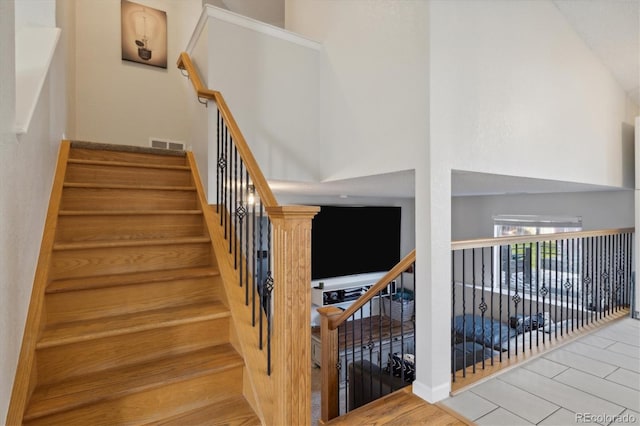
<point x="341" y="292"/>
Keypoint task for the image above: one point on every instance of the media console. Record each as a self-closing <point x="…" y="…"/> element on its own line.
<point x="342" y="292"/>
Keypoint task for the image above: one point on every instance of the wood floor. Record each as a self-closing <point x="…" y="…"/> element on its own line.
<point x="401" y="408"/>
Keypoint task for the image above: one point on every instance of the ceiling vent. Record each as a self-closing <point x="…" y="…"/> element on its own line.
<point x="166" y="144"/>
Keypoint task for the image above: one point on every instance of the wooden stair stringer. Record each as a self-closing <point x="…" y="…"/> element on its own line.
<point x="258" y="385"/>
<point x="25" y="378"/>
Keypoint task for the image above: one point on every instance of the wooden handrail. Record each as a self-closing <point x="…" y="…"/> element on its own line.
<point x="520" y="239"/>
<point x="281" y="397"/>
<point x="259" y="181"/>
<point x="402" y="266"/>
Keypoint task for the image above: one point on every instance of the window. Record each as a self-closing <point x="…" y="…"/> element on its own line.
<point x="530" y="267"/>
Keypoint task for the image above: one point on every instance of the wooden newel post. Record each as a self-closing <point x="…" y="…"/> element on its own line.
<point x="329" y="403"/>
<point x="292" y="313"/>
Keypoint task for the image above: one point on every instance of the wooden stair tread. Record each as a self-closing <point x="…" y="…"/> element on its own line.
<point x="114" y="383"/>
<point x="74" y="284"/>
<point x="122" y="186"/>
<point x="126" y="164"/>
<point x="79" y="331"/>
<point x="127" y="212"/>
<point x="233" y="411"/>
<point x="129" y="243"/>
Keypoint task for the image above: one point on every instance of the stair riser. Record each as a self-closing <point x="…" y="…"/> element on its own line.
<point x="103" y="302"/>
<point x="131" y="157"/>
<point x="92" y="173"/>
<point x="121" y="260"/>
<point x="127" y="227"/>
<point x="153" y="404"/>
<point x="126" y="199"/>
<point x="76" y="359"/>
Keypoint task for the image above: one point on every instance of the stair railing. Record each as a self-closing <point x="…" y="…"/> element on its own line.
<point x="514" y="296"/>
<point x="367" y="349"/>
<point x="270" y="247"/>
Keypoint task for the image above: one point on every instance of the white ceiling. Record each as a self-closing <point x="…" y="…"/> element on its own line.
<point x="610" y="28"/>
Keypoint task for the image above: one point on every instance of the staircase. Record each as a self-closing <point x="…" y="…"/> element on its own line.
<point x="135" y="325"/>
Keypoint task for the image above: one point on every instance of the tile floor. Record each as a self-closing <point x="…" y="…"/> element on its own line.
<point x="593" y="380"/>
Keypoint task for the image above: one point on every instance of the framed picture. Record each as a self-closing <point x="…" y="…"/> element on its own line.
<point x="144" y="34"/>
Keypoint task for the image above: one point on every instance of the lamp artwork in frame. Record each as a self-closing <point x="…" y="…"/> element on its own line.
<point x="144" y="34"/>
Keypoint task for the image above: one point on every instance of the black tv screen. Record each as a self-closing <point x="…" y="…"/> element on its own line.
<point x="354" y="240"/>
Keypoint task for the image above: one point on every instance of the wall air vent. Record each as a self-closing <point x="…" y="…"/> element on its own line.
<point x="166" y="144"/>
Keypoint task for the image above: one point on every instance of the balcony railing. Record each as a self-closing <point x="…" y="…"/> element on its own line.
<point x="515" y="295"/>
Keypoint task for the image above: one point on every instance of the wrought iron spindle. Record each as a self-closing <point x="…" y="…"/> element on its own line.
<point x="464" y="315"/>
<point x="269" y="284"/>
<point x="473" y="302"/>
<point x="492" y="281"/>
<point x="453" y="314"/>
<point x="483" y="308"/>
<point x="260" y="279"/>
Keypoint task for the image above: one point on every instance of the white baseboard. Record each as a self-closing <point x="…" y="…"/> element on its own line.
<point x="431" y="394"/>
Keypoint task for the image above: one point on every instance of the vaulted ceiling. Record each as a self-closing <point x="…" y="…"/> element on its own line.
<point x="610" y="28"/>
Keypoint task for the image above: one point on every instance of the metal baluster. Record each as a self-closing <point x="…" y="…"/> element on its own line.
<point x="629" y="258"/>
<point x="538" y="323"/>
<point x="516" y="297"/>
<point x="260" y="273"/>
<point x="491" y="253"/>
<point x="240" y="211"/>
<point x="473" y="303"/>
<point x="254" y="255"/>
<point x="371" y="346"/>
<point x="562" y="275"/>
<point x="464" y="315"/>
<point x="246" y="241"/>
<point x="269" y="284"/>
<point x="235" y="216"/>
<point x="583" y="277"/>
<point x="483" y="309"/>
<point x="218" y="125"/>
<point x="225" y="148"/>
<point x="501" y="254"/>
<point x="555" y="290"/>
<point x="599" y="260"/>
<point x="453" y="315"/>
<point x="225" y="182"/>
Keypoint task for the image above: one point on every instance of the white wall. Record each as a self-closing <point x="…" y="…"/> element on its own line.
<point x="514" y="91"/>
<point x="636" y="247"/>
<point x="125" y="102"/>
<point x="472" y="217"/>
<point x="26" y="172"/>
<point x="519" y="93"/>
<point x="269" y="79"/>
<point x="373" y="82"/>
<point x="374" y="118"/>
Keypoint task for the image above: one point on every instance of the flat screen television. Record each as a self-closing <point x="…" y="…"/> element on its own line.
<point x="354" y="240"/>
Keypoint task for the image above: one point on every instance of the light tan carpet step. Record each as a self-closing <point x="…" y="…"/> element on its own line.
<point x="234" y="411"/>
<point x="128" y="225"/>
<point x="109" y="152"/>
<point x="97" y="328"/>
<point x="151" y="405"/>
<point x="104" y="281"/>
<point x="118" y="172"/>
<point x="89" y="259"/>
<point x="118" y="382"/>
<point x="127" y="197"/>
<point x="91" y="303"/>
